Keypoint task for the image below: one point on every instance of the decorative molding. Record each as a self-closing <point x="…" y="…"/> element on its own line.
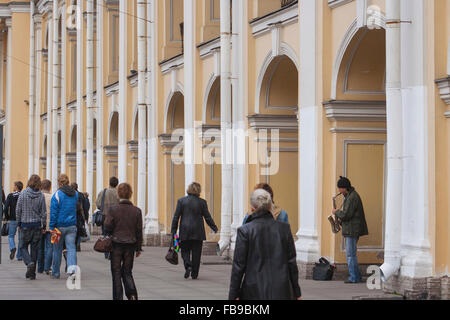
<point x="338" y="110"/>
<point x="209" y="133"/>
<point x="7" y="9"/>
<point x="133" y="146"/>
<point x="208" y="48"/>
<point x="282" y="17"/>
<point x="444" y="89"/>
<point x="71" y="157"/>
<point x="337" y="3"/>
<point x="170" y="141"/>
<point x="111" y="150"/>
<point x="357" y="130"/>
<point x="112" y="89"/>
<point x="285" y="123"/>
<point x="45" y="6"/>
<point x="176" y="62"/>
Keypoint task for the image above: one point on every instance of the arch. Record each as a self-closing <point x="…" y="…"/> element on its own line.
<point x="73" y="139"/>
<point x="209" y="87"/>
<point x="285" y="50"/>
<point x="113" y="128"/>
<point x="135" y="124"/>
<point x="179" y="89"/>
<point x="44" y="147"/>
<point x="348" y="37"/>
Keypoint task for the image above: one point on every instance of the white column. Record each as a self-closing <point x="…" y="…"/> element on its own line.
<point x="152" y="225"/>
<point x="394" y="141"/>
<point x="2" y="70"/>
<point x="308" y="243"/>
<point x="63" y="87"/>
<point x="6" y="183"/>
<point x="142" y="107"/>
<point x="90" y="98"/>
<point x="55" y="106"/>
<point x="37" y="136"/>
<point x="190" y="54"/>
<point x="49" y="98"/>
<point x="225" y="123"/>
<point x="123" y="81"/>
<point x="31" y="95"/>
<point x="418" y="115"/>
<point x="240" y="94"/>
<point x="100" y="43"/>
<point x="80" y="127"/>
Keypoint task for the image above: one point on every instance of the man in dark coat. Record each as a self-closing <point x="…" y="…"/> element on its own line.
<point x="192" y="210"/>
<point x="264" y="265"/>
<point x="354" y="226"/>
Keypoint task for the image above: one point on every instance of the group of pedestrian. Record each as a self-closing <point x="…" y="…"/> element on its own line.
<point x="48" y="224"/>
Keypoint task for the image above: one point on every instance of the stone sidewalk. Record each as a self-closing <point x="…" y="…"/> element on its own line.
<point x="155" y="279"/>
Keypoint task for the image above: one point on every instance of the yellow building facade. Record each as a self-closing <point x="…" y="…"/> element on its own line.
<point x="233" y="93"/>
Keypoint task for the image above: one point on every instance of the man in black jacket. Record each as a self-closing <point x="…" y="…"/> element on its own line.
<point x="264" y="265"/>
<point x="10" y="215"/>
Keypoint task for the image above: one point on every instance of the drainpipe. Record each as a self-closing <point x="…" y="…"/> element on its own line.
<point x="392" y="255"/>
<point x="225" y="125"/>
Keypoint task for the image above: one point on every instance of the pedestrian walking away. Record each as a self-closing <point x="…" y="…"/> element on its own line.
<point x="31" y="216"/>
<point x="45" y="257"/>
<point x="264" y="264"/>
<point x="354" y="226"/>
<point x="124" y="223"/>
<point x="278" y="213"/>
<point x="63" y="216"/>
<point x="9" y="213"/>
<point x="192" y="210"/>
<point x="108" y="197"/>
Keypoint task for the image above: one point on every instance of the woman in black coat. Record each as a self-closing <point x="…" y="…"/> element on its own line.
<point x="192" y="210"/>
<point x="264" y="265"/>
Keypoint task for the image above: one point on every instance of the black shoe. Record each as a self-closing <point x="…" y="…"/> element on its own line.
<point x="31" y="273"/>
<point x="349" y="282"/>
<point x="194" y="276"/>
<point x="78" y="248"/>
<point x="13" y="254"/>
<point x="187" y="273"/>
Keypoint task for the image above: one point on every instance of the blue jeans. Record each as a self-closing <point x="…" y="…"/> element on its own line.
<point x="68" y="236"/>
<point x="351" y="250"/>
<point x="45" y="253"/>
<point x="11" y="238"/>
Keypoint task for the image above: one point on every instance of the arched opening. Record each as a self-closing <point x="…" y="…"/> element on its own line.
<point x="111" y="150"/>
<point x="360" y="106"/>
<point x="114" y="130"/>
<point x="278" y="101"/>
<point x="59" y="152"/>
<point x="73" y="140"/>
<point x="44" y="158"/>
<point x="174" y="157"/>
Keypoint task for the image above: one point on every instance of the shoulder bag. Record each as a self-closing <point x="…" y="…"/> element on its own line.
<point x="172" y="255"/>
<point x="103" y="244"/>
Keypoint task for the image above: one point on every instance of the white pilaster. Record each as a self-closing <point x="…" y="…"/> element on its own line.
<point x="142" y="107"/>
<point x="90" y="98"/>
<point x="55" y="95"/>
<point x="225" y="122"/>
<point x="7" y="131"/>
<point x="80" y="122"/>
<point x="31" y="110"/>
<point x="308" y="243"/>
<point x="415" y="244"/>
<point x="99" y="78"/>
<point x="63" y="87"/>
<point x="37" y="136"/>
<point x="152" y="226"/>
<point x="190" y="54"/>
<point x="49" y="98"/>
<point x="123" y="84"/>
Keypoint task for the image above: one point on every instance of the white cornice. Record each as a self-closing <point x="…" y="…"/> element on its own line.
<point x="357" y="130"/>
<point x="7" y="9"/>
<point x="208" y="48"/>
<point x="281" y="17"/>
<point x="285" y="123"/>
<point x="355" y="110"/>
<point x="170" y="140"/>
<point x="337" y="3"/>
<point x="444" y="89"/>
<point x="176" y="62"/>
<point x="45" y="6"/>
<point x="110" y="90"/>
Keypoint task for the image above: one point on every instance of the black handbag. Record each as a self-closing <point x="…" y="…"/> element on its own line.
<point x="5" y="229"/>
<point x="172" y="255"/>
<point x="323" y="271"/>
<point x="99" y="218"/>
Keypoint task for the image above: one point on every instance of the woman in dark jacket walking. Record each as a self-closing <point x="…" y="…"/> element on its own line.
<point x="192" y="210"/>
<point x="124" y="223"/>
<point x="264" y="265"/>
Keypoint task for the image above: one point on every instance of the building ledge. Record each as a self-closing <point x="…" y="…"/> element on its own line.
<point x="343" y="110"/>
<point x="337" y="3"/>
<point x="444" y="89"/>
<point x="175" y="62"/>
<point x="283" y="16"/>
<point x="286" y="123"/>
<point x="209" y="47"/>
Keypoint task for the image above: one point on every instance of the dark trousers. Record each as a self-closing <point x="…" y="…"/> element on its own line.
<point x="122" y="258"/>
<point x="31" y="237"/>
<point x="41" y="254"/>
<point x="191" y="252"/>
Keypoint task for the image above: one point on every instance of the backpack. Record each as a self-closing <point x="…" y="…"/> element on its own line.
<point x="99" y="217"/>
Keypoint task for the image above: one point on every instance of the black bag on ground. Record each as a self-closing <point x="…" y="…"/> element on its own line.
<point x="172" y="255"/>
<point x="323" y="271"/>
<point x="5" y="229"/>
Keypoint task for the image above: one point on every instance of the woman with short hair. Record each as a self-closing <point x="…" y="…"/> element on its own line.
<point x="124" y="223"/>
<point x="192" y="210"/>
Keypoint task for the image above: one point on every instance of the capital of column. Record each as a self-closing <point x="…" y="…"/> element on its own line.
<point x="8" y="23"/>
<point x="38" y="21"/>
